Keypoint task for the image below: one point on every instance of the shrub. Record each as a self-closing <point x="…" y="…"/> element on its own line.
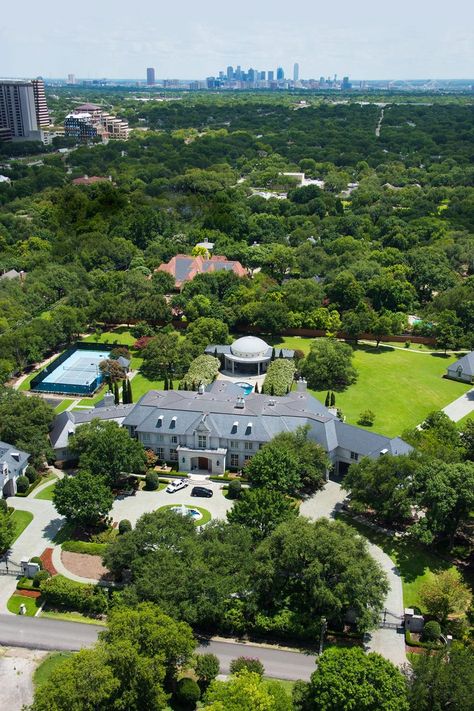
<point x="22" y="484"/>
<point x="207" y="668"/>
<point x="279" y="377"/>
<point x="407" y="344"/>
<point x="203" y="369"/>
<point x="152" y="481"/>
<point x="3" y="506"/>
<point x="39" y="577"/>
<point x="248" y="664"/>
<point x="188" y="692"/>
<point x="366" y="418"/>
<point x="124" y="526"/>
<point x="234" y="489"/>
<point x="31" y="474"/>
<point x="62" y="592"/>
<point x="37" y="560"/>
<point x="431" y="631"/>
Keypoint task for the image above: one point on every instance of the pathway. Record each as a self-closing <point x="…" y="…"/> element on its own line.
<point x="379" y="124"/>
<point x="460" y="407"/>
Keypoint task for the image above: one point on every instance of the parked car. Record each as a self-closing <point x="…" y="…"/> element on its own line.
<point x="202" y="491"/>
<point x="176" y="485"/>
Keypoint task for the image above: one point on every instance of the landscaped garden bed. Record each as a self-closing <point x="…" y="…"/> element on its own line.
<point x="85" y="565"/>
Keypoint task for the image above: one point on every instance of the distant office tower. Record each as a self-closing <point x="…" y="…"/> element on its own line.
<point x="230" y="73"/>
<point x="271" y="75"/>
<point x="71" y="79"/>
<point x="150" y="76"/>
<point x="238" y="73"/>
<point x="346" y="83"/>
<point x="18" y="113"/>
<point x="251" y="74"/>
<point x="280" y="74"/>
<point x="296" y="71"/>
<point x="42" y="113"/>
<point x="261" y="76"/>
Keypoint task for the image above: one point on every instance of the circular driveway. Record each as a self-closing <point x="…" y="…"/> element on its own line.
<point x="132" y="507"/>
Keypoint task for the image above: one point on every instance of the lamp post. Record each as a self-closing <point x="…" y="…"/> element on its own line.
<point x="324" y="626"/>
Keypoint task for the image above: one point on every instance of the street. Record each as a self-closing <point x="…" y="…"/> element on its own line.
<point x="43" y="633"/>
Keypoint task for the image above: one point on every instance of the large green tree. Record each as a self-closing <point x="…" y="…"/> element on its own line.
<point x="246" y="691"/>
<point x="262" y="510"/>
<point x="106" y="449"/>
<point x="319" y="568"/>
<point x="438" y="682"/>
<point x="25" y="423"/>
<point x="328" y="365"/>
<point x="352" y="680"/>
<point x="84" y="499"/>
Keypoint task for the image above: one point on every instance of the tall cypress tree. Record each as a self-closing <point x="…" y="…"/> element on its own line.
<point x="124" y="391"/>
<point x="333" y="399"/>
<point x="116" y="393"/>
<point x="171" y="383"/>
<point x="273" y="354"/>
<point x="327" y="401"/>
<point x="165" y="385"/>
<point x="130" y="394"/>
<point x="256" y="388"/>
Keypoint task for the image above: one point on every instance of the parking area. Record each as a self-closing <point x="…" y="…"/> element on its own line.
<point x="132" y="507"/>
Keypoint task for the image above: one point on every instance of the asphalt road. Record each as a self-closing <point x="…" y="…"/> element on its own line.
<point x="43" y="633"/>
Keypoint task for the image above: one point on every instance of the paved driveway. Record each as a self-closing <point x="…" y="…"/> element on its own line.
<point x="461" y="407"/>
<point x="132" y="507"/>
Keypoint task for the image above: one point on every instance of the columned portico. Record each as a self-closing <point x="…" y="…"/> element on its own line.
<point x="211" y="460"/>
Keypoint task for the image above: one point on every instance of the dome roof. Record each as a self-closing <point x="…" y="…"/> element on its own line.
<point x="249" y="347"/>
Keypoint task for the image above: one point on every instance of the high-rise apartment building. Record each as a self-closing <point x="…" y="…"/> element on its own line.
<point x="18" y="112"/>
<point x="42" y="113"/>
<point x="71" y="79"/>
<point x="271" y="75"/>
<point x="150" y="76"/>
<point x="280" y="74"/>
<point x="230" y="73"/>
<point x="296" y="71"/>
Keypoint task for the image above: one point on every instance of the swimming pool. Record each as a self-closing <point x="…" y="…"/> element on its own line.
<point x="246" y="387"/>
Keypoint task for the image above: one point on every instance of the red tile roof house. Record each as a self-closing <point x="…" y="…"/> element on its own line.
<point x="86" y="180"/>
<point x="183" y="267"/>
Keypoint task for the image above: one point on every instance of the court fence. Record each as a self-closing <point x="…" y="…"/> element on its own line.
<point x="37" y="383"/>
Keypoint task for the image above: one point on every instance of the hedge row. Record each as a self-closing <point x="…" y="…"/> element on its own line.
<point x="414" y="643"/>
<point x="84" y="547"/>
<point x="279" y="377"/>
<point x="79" y="597"/>
<point x="203" y="369"/>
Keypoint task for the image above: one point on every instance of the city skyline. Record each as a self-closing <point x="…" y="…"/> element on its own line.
<point x="367" y="41"/>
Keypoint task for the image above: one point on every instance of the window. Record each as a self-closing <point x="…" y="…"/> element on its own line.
<point x="234" y="460"/>
<point x="234" y="444"/>
<point x="202" y="441"/>
<point x="173" y="455"/>
<point x="174" y="439"/>
<point x="248" y="445"/>
<point x="146" y="437"/>
<point x="247" y="457"/>
<point x="354" y="456"/>
<point x="160" y="453"/>
<point x="160" y="438"/>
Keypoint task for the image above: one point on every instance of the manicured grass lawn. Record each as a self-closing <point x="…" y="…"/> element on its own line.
<point x="141" y="385"/>
<point x="48" y="665"/>
<point x="63" y="405"/>
<point x="71" y="617"/>
<point x="460" y="423"/>
<point x="64" y="533"/>
<point x="206" y="515"/>
<point x="31" y="603"/>
<point x="47" y="493"/>
<point x="399" y="386"/>
<point x="121" y="336"/>
<point x="415" y="563"/>
<point x="21" y="519"/>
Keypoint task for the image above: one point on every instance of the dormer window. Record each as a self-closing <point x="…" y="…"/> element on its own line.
<point x="249" y="428"/>
<point x="234" y="427"/>
<point x="173" y="422"/>
<point x="160" y="421"/>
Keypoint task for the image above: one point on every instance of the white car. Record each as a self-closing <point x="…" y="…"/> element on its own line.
<point x="176" y="485"/>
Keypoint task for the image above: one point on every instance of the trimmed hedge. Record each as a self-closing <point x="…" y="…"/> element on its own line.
<point x="413" y="643"/>
<point x="279" y="377"/>
<point x="84" y="547"/>
<point x="79" y="597"/>
<point x="203" y="369"/>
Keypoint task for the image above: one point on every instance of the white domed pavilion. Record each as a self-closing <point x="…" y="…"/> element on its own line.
<point x="248" y="355"/>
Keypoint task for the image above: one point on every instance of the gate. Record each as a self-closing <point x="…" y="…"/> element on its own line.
<point x="391" y="621"/>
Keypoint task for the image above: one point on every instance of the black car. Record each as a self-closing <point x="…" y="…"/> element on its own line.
<point x="202" y="491"/>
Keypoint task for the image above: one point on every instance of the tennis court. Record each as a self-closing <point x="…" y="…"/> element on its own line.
<point x="75" y="372"/>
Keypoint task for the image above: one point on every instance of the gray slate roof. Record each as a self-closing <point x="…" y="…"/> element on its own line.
<point x="14" y="458"/>
<point x="466" y="363"/>
<point x="66" y="422"/>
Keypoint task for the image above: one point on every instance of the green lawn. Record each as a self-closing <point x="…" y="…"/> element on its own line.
<point x="71" y="617"/>
<point x="31" y="603"/>
<point x="415" y="563"/>
<point x="21" y="519"/>
<point x="120" y="336"/>
<point x="401" y="387"/>
<point x="63" y="405"/>
<point x="47" y="493"/>
<point x="44" y="670"/>
<point x="460" y="423"/>
<point x="206" y="515"/>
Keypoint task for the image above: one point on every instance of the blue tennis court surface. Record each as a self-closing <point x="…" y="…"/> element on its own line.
<point x="75" y="372"/>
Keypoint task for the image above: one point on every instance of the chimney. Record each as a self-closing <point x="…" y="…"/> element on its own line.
<point x="201" y="389"/>
<point x="240" y="402"/>
<point x="301" y="386"/>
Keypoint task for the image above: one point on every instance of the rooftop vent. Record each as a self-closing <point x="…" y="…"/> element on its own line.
<point x="240" y="403"/>
<point x="201" y="389"/>
<point x="271" y="403"/>
<point x="383" y="451"/>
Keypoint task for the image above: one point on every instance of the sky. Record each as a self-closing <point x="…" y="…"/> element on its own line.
<point x="192" y="39"/>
